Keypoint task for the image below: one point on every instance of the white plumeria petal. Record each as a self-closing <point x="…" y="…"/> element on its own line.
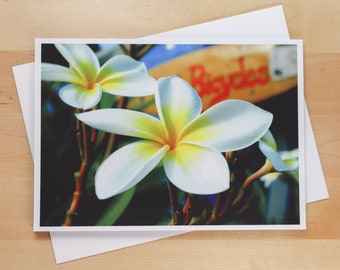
<point x="177" y="104"/>
<point x="126" y="167"/>
<point x="118" y="66"/>
<point x="273" y="157"/>
<point x="291" y="159"/>
<point x="82" y="59"/>
<point x="197" y="169"/>
<point x="124" y="122"/>
<point x="189" y="143"/>
<point x="79" y="97"/>
<point x="130" y="84"/>
<point x="57" y="73"/>
<point x="229" y="125"/>
<point x="291" y="154"/>
<point x="269" y="178"/>
<point x="268" y="138"/>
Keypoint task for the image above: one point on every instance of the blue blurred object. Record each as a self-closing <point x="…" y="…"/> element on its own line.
<point x="212" y="198"/>
<point x="105" y="46"/>
<point x="278" y="201"/>
<point x="161" y="53"/>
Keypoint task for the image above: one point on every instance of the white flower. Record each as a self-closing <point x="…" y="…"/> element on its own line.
<point x="284" y="161"/>
<point x="120" y="75"/>
<point x="189" y="143"/>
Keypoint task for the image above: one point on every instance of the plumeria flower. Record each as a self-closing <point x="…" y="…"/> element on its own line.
<point x="120" y="75"/>
<point x="283" y="161"/>
<point x="187" y="141"/>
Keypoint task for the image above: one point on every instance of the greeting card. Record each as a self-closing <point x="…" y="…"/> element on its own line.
<point x="169" y="136"/>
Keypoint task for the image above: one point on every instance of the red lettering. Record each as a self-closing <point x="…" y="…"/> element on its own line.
<point x="236" y="80"/>
<point x="200" y="80"/>
<point x="264" y="76"/>
<point x="251" y="77"/>
<point x="205" y="83"/>
<point x="197" y="74"/>
<point x="223" y="93"/>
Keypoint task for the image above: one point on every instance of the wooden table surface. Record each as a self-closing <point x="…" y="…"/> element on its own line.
<point x="316" y="22"/>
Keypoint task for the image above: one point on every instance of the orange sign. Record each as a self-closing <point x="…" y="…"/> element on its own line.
<point x="227" y="72"/>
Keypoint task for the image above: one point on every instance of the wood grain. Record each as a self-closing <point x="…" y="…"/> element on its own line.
<point x="316" y="22"/>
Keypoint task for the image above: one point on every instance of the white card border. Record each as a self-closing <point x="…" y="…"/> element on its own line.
<point x="37" y="138"/>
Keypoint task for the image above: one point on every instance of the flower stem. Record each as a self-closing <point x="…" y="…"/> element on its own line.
<point x="173" y="202"/>
<point x="94" y="134"/>
<point x="143" y="51"/>
<point x="124" y="49"/>
<point x="79" y="138"/>
<point x="266" y="168"/>
<point x="72" y="211"/>
<point x="187" y="210"/>
<point x="110" y="145"/>
<point x="214" y="214"/>
<point x="80" y="175"/>
<point x="227" y="203"/>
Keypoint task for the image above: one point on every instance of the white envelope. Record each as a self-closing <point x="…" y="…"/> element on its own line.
<point x="266" y="23"/>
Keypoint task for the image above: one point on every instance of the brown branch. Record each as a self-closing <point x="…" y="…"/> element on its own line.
<point x="173" y="203"/>
<point x="80" y="175"/>
<point x="187" y="210"/>
<point x="266" y="168"/>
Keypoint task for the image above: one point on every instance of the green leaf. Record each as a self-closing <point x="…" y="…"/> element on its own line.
<point x="142" y="105"/>
<point x="261" y="198"/>
<point x="108" y="100"/>
<point x="153" y="180"/>
<point x="116" y="208"/>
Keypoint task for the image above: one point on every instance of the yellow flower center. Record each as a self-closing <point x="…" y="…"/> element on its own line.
<point x="172" y="142"/>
